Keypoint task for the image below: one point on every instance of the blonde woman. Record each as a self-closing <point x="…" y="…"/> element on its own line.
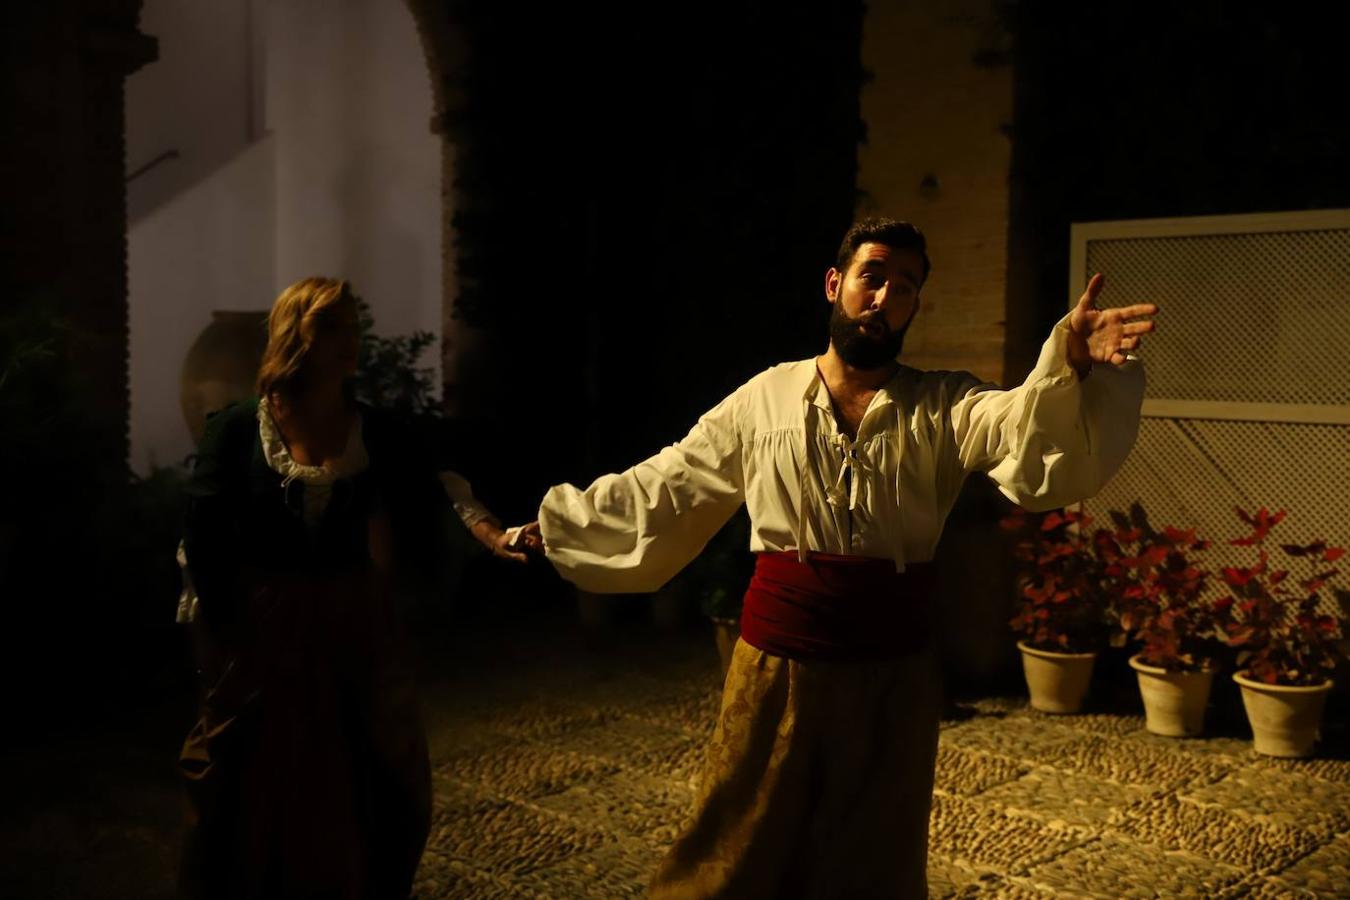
<point x="307" y="769"/>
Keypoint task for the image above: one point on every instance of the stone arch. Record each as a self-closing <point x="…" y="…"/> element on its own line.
<point x="444" y="48"/>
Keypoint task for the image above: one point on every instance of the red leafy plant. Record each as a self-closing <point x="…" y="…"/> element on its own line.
<point x="1062" y="601"/>
<point x="1279" y="633"/>
<point x="1159" y="593"/>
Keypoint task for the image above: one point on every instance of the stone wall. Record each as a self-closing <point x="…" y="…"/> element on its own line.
<point x="65" y="241"/>
<point x="937" y="111"/>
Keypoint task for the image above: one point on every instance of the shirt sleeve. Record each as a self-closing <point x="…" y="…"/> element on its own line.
<point x="468" y="507"/>
<point x="633" y="531"/>
<point x="1055" y="439"/>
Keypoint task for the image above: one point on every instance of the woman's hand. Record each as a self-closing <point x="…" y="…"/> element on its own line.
<point x="499" y="541"/>
<point x="530" y="538"/>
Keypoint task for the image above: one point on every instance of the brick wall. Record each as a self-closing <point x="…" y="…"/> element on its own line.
<point x="64" y="166"/>
<point x="937" y="154"/>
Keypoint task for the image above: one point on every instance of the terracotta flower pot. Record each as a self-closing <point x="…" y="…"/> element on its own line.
<point x="1058" y="682"/>
<point x="1285" y="719"/>
<point x="1174" y="702"/>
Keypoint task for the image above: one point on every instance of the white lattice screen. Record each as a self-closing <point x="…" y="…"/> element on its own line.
<point x="1248" y="399"/>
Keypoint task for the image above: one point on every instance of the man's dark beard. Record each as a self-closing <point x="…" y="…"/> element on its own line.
<point x="860" y="349"/>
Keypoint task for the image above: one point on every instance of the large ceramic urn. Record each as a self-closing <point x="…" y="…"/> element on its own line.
<point x="222" y="365"/>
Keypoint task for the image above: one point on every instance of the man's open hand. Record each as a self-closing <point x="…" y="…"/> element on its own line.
<point x="1105" y="335"/>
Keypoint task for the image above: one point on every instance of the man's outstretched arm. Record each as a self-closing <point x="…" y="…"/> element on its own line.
<point x="1058" y="437"/>
<point x="633" y="531"/>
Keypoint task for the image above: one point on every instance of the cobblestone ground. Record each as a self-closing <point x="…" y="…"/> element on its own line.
<point x="563" y="770"/>
<point x="569" y="776"/>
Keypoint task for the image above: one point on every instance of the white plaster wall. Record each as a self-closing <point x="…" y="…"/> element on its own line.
<point x="358" y="168"/>
<point x="197" y="99"/>
<point x="211" y="247"/>
<point x="314" y="155"/>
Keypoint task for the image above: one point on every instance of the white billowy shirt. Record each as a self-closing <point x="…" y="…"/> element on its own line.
<point x="774" y="445"/>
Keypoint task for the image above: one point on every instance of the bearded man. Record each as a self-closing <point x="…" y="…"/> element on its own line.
<point x="819" y="776"/>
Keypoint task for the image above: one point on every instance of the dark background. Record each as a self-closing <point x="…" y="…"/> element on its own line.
<point x="646" y="205"/>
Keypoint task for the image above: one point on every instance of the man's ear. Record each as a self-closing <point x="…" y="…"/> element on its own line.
<point x="833" y="279"/>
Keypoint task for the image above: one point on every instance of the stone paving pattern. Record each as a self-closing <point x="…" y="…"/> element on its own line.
<point x="566" y="761"/>
<point x="569" y="777"/>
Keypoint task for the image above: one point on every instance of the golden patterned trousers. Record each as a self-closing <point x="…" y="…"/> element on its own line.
<point x="817" y="783"/>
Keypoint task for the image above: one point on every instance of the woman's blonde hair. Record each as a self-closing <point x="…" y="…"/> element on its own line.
<point x="298" y="315"/>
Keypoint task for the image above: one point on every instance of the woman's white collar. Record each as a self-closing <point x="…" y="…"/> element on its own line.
<point x="353" y="460"/>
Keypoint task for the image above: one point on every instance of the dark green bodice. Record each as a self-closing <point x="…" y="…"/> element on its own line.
<point x="244" y="524"/>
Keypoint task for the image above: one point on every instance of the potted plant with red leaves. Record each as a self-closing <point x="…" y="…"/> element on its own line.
<point x="1287" y="647"/>
<point x="1160" y="596"/>
<point x="1062" y="608"/>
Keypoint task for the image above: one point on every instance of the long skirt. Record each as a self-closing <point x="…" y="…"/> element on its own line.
<point x="307" y="771"/>
<point x="817" y="783"/>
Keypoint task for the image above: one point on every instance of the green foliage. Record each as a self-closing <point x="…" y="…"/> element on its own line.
<point x="28" y="341"/>
<point x="97" y="541"/>
<point x="37" y="383"/>
<point x="389" y="373"/>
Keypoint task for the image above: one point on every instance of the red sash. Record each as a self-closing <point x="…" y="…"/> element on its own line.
<point x="839" y="608"/>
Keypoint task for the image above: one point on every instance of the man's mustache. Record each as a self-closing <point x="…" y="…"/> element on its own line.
<point x="874" y="320"/>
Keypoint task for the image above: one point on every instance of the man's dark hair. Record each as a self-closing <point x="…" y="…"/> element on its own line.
<point x="893" y="233"/>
